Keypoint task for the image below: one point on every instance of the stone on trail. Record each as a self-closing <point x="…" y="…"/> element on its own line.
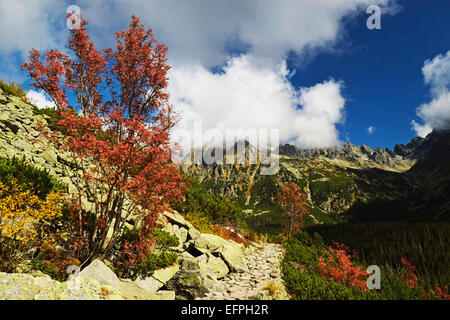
<point x="99" y="271"/>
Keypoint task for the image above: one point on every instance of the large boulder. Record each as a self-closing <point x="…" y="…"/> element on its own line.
<point x="229" y="251"/>
<point x="212" y="265"/>
<point x="19" y="286"/>
<point x="88" y="289"/>
<point x="99" y="271"/>
<point x="158" y="279"/>
<point x="190" y="282"/>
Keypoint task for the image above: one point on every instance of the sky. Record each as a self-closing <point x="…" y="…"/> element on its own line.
<point x="310" y="68"/>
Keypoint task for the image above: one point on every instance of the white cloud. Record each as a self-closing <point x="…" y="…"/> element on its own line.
<point x="436" y="113"/>
<point x="29" y="24"/>
<point x="371" y="130"/>
<point x="39" y="99"/>
<point x="253" y="90"/>
<point x="436" y="73"/>
<point x="251" y="94"/>
<point x="421" y="130"/>
<point x="201" y="30"/>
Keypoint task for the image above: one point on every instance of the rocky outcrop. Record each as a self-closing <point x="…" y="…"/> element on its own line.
<point x="191" y="281"/>
<point x="363" y="156"/>
<point x="87" y="285"/>
<point x="211" y="267"/>
<point x="204" y="259"/>
<point x="229" y="251"/>
<point x="20" y="136"/>
<point x="158" y="279"/>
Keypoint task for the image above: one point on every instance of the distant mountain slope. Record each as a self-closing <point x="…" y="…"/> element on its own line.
<point x="347" y="182"/>
<point x="411" y="182"/>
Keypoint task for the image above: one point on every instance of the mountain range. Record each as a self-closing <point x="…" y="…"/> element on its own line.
<point x="346" y="182"/>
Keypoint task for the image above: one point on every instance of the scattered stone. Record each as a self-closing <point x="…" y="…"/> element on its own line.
<point x="99" y="271"/>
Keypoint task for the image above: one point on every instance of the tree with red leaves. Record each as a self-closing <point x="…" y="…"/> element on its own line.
<point x="293" y="200"/>
<point x="114" y="111"/>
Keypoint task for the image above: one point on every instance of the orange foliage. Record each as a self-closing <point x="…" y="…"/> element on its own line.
<point x="23" y="215"/>
<point x="339" y="267"/>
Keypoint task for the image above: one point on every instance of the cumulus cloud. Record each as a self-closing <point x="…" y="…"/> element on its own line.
<point x="371" y="130"/>
<point x="436" y="73"/>
<point x="30" y="24"/>
<point x="39" y="99"/>
<point x="252" y="89"/>
<point x="202" y="30"/>
<point x="250" y="94"/>
<point x="436" y="113"/>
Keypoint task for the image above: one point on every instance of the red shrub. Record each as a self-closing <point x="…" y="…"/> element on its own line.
<point x="339" y="267"/>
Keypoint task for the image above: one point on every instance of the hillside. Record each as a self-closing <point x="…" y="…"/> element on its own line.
<point x="340" y="181"/>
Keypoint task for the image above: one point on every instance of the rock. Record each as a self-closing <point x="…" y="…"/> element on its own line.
<point x="166" y="274"/>
<point x="158" y="279"/>
<point x="256" y="245"/>
<point x="166" y="295"/>
<point x="131" y="291"/>
<point x="190" y="282"/>
<point x="212" y="265"/>
<point x="99" y="271"/>
<point x="149" y="283"/>
<point x="86" y="289"/>
<point x="178" y="219"/>
<point x="18" y="286"/>
<point x="229" y="251"/>
<point x="194" y="233"/>
<point x="15" y="286"/>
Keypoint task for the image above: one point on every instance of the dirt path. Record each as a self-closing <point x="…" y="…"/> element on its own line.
<point x="264" y="268"/>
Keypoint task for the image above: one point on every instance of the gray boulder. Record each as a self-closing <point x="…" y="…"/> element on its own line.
<point x="99" y="271"/>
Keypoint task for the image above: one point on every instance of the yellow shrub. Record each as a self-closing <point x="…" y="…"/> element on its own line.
<point x="23" y="216"/>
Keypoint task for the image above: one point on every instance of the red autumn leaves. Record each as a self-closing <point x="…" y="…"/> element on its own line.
<point x="294" y="203"/>
<point x="337" y="266"/>
<point x="114" y="112"/>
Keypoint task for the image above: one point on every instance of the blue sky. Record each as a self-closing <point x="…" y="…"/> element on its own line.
<point x="382" y="70"/>
<point x="311" y="69"/>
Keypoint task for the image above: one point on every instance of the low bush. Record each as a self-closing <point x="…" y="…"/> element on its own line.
<point x="155" y="261"/>
<point x="14" y="89"/>
<point x="165" y="239"/>
<point x="312" y="270"/>
<point x="215" y="208"/>
<point x="28" y="177"/>
<point x="54" y="262"/>
<point x="26" y="222"/>
<point x="140" y="255"/>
